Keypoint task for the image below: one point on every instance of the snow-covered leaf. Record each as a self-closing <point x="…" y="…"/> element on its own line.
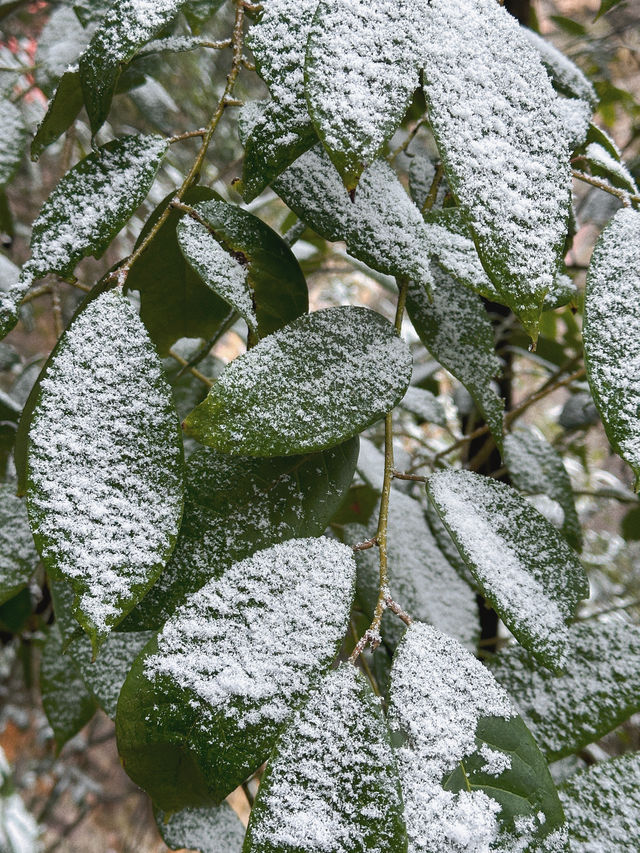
<point x="212" y="829"/>
<point x="493" y="112"/>
<point x="246" y="263"/>
<point x="125" y="28"/>
<point x="60" y="43"/>
<point x="602" y="806"/>
<point x="105" y="464"/>
<point x="235" y="505"/>
<point x="576" y="116"/>
<point x="13" y="140"/>
<point x="18" y="555"/>
<point x="277" y="401"/>
<point x="536" y="468"/>
<point x="331" y="783"/>
<point x="19" y="832"/>
<point x="565" y="74"/>
<point x="599" y="689"/>
<point x="361" y="71"/>
<point x="611" y="331"/>
<point x="67" y="702"/>
<point x="456" y="330"/>
<point x="604" y="165"/>
<point x="204" y="704"/>
<point x="472" y="776"/>
<point x="520" y="561"/>
<point x="424" y="405"/>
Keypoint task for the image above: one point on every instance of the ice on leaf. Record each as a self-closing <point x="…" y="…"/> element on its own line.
<point x="18" y="555"/>
<point x="105" y="464"/>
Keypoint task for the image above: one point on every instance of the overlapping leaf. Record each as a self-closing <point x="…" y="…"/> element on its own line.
<point x="12" y="140"/>
<point x="566" y="76"/>
<point x="18" y="555"/>
<point x="213" y="829"/>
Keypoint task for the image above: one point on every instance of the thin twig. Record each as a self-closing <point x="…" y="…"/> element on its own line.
<point x="432" y="195"/>
<point x="625" y="197"/>
<point x="204" y="379"/>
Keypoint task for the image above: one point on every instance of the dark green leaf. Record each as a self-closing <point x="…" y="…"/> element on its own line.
<point x="105" y="464"/>
<point x="18" y="555"/>
<point x="332" y="778"/>
<point x="197" y="13"/>
<point x="12" y="140"/>
<point x="277" y="401"/>
<point x="203" y="705"/>
<point x="15" y="613"/>
<point x="606" y="6"/>
<point x="213" y="829"/>
<point x="630" y="525"/>
<point x="521" y="563"/>
<point x="61" y="113"/>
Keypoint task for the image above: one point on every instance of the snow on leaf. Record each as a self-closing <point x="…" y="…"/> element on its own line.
<point x="502" y="141"/>
<point x="61" y="42"/>
<point x="602" y="805"/>
<point x="277" y="401"/>
<point x="18" y="555"/>
<point x="611" y="331"/>
<point x="456" y="330"/>
<point x="424" y="405"/>
<point x="105" y="464"/>
<point x="331" y="784"/>
<point x="603" y="164"/>
<point x="576" y="117"/>
<point x="19" y="832"/>
<point x="361" y="71"/>
<point x="521" y="563"/>
<point x="213" y="692"/>
<point x="213" y="829"/>
<point x="12" y="140"/>
<point x="599" y="689"/>
<point x="565" y="74"/>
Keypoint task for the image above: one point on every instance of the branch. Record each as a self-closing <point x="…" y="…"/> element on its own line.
<point x="625" y="197"/>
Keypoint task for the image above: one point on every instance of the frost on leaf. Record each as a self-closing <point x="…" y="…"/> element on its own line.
<point x="521" y="563"/>
<point x="331" y="784"/>
<point x="565" y="74"/>
<point x="277" y="401"/>
<point x="213" y="829"/>
<point x="502" y="141"/>
<point x="12" y="140"/>
<point x="105" y="464"/>
<point x="611" y="332"/>
<point x="18" y="555"/>
<point x="212" y="694"/>
<point x="455" y="328"/>
<point x="464" y="756"/>
<point x="361" y="71"/>
<point x="599" y="689"/>
<point x="603" y="164"/>
<point x="602" y="806"/>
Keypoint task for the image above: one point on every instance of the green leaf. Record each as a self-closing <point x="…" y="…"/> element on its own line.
<point x="602" y="805"/>
<point x="276" y="401"/>
<point x="521" y="563"/>
<point x="212" y="829"/>
<point x="469" y="767"/>
<point x="455" y="328"/>
<point x="174" y="301"/>
<point x="606" y="6"/>
<point x="18" y="556"/>
<point x="361" y="71"/>
<point x="67" y="703"/>
<point x="502" y="143"/>
<point x="599" y="689"/>
<point x="536" y="468"/>
<point x="105" y="464"/>
<point x="197" y="13"/>
<point x="60" y="43"/>
<point x="603" y="164"/>
<point x="567" y="77"/>
<point x="203" y="705"/>
<point x="235" y="506"/>
<point x="331" y="782"/>
<point x="61" y="113"/>
<point x="424" y="405"/>
<point x="611" y="329"/>
<point x="246" y="263"/>
<point x="602" y="138"/>
<point x="12" y="141"/>
<point x="125" y="28"/>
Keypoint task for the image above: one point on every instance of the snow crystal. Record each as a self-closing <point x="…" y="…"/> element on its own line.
<point x="576" y="117"/>
<point x="563" y="71"/>
<point x="105" y="493"/>
<point x="214" y="829"/>
<point x="18" y="555"/>
<point x="617" y="171"/>
<point x="495" y="761"/>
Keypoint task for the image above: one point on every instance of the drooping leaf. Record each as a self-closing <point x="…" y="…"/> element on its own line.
<point x="64" y="106"/>
<point x="566" y="76"/>
<point x="502" y="143"/>
<point x="536" y="468"/>
<point x="60" y="43"/>
<point x="456" y="330"/>
<point x="246" y="263"/>
<point x="471" y="772"/>
<point x="331" y="782"/>
<point x="174" y="301"/>
<point x="599" y="689"/>
<point x="204" y="704"/>
<point x="67" y="703"/>
<point x="575" y="115"/>
<point x="361" y="71"/>
<point x="125" y="28"/>
<point x="603" y="164"/>
<point x="611" y="329"/>
<point x="521" y="563"/>
<point x="606" y="6"/>
<point x="277" y="401"/>
<point x="12" y="140"/>
<point x="212" y="829"/>
<point x="105" y="464"/>
<point x="424" y="405"/>
<point x="602" y="805"/>
<point x="18" y="555"/>
<point x="235" y="506"/>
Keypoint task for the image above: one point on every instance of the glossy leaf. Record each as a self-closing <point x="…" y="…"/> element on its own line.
<point x="18" y="555"/>
<point x="105" y="464"/>
<point x="203" y="705"/>
<point x="600" y="687"/>
<point x="468" y="765"/>
<point x="276" y="401"/>
<point x="235" y="506"/>
<point x="611" y="328"/>
<point x="62" y="111"/>
<point x="12" y="140"/>
<point x="331" y="782"/>
<point x="521" y="563"/>
<point x="212" y="829"/>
